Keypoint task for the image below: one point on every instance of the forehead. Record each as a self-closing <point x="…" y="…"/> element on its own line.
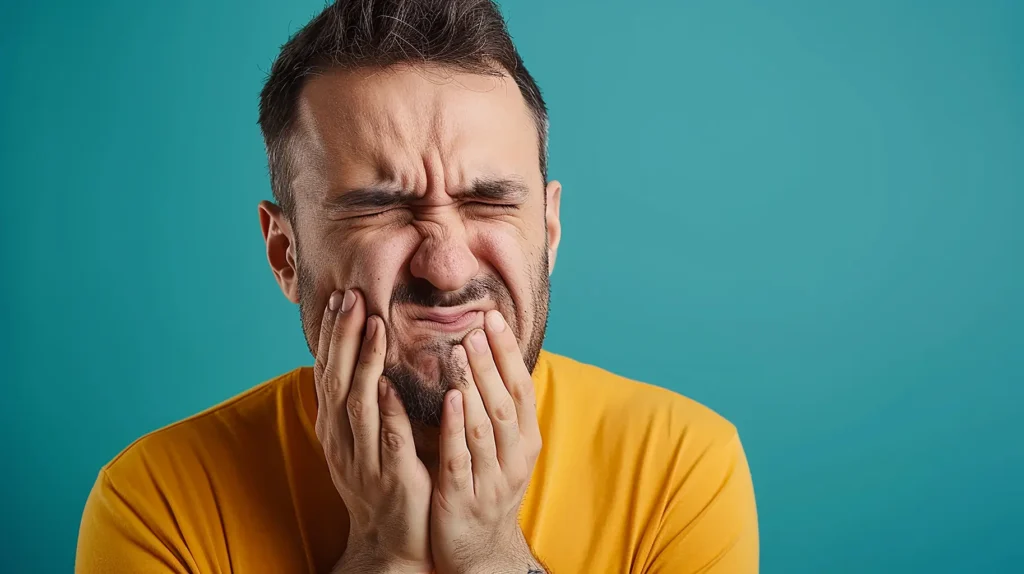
<point x="421" y="127"/>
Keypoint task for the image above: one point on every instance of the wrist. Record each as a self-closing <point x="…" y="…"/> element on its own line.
<point x="345" y="566"/>
<point x="356" y="561"/>
<point x="515" y="558"/>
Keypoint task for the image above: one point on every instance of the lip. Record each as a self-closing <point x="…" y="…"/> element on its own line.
<point x="451" y="320"/>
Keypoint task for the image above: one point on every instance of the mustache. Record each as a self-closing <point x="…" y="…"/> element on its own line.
<point x="422" y="292"/>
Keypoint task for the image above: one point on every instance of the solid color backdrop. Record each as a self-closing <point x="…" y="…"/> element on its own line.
<point x="807" y="215"/>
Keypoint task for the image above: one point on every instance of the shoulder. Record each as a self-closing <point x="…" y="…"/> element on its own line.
<point x="645" y="455"/>
<point x="609" y="398"/>
<point x="203" y="439"/>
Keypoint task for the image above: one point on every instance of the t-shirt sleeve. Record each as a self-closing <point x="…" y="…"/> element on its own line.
<point x="118" y="536"/>
<point x="710" y="523"/>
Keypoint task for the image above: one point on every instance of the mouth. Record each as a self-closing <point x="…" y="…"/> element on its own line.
<point x="450" y="319"/>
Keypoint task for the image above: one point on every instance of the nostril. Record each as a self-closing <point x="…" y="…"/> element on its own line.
<point x="448" y="265"/>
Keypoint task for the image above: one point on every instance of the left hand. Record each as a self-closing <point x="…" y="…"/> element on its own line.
<point x="489" y="443"/>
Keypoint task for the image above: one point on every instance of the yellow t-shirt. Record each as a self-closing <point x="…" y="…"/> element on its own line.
<point x="631" y="478"/>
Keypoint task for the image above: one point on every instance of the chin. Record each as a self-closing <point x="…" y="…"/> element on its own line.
<point x="425" y="361"/>
<point x="421" y="377"/>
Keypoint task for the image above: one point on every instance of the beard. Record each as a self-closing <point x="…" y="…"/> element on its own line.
<point x="423" y="395"/>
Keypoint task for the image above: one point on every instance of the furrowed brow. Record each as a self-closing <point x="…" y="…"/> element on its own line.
<point x="371" y="197"/>
<point x="505" y="190"/>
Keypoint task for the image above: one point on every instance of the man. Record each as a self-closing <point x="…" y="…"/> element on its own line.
<point x="415" y="227"/>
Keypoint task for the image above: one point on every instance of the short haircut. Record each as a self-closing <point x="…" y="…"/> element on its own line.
<point x="467" y="35"/>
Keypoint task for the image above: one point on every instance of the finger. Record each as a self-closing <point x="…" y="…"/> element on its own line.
<point x="498" y="403"/>
<point x="397" y="449"/>
<point x="342" y="347"/>
<point x="323" y="343"/>
<point x="363" y="400"/>
<point x="516" y="377"/>
<point x="455" y="472"/>
<point x="479" y="428"/>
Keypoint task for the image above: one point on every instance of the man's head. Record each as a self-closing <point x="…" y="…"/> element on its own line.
<point x="407" y="150"/>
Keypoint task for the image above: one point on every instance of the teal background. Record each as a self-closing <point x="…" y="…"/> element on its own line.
<point x="806" y="215"/>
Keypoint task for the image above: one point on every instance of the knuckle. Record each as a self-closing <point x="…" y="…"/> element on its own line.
<point x="522" y="392"/>
<point x="357" y="412"/>
<point x="458" y="465"/>
<point x="505" y="411"/>
<point x="482" y="430"/>
<point x="391" y="440"/>
<point x="319" y="367"/>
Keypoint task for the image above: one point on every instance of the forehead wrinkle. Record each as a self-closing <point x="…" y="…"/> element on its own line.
<point x="440" y="162"/>
<point x="445" y="136"/>
<point x="429" y="134"/>
<point x="393" y="128"/>
<point x="401" y="135"/>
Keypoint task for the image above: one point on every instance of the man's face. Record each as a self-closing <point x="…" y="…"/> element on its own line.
<point x="422" y="189"/>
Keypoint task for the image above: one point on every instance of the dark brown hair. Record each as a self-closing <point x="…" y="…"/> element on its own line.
<point x="468" y="35"/>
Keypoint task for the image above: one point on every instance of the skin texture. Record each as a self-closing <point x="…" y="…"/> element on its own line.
<point x="430" y="439"/>
<point x="432" y="133"/>
<point x="490" y="440"/>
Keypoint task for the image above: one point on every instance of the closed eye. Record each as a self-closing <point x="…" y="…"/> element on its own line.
<point x="495" y="206"/>
<point x="376" y="214"/>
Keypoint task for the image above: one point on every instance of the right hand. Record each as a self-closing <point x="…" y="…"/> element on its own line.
<point x="367" y="440"/>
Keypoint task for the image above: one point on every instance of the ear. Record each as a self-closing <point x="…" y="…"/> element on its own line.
<point x="554" y="225"/>
<point x="280" y="240"/>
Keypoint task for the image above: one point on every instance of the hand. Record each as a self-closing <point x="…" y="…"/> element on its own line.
<point x="368" y="443"/>
<point x="489" y="443"/>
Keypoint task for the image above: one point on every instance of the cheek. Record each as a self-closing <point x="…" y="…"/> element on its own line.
<point x="513" y="258"/>
<point x="373" y="263"/>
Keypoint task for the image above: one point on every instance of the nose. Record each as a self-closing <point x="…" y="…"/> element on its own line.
<point x="445" y="260"/>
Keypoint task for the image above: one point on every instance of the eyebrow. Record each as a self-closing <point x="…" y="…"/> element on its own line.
<point x="383" y="195"/>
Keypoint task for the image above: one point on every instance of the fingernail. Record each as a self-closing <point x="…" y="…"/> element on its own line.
<point x="495" y="321"/>
<point x="382" y="388"/>
<point x="371" y="328"/>
<point x="479" y="341"/>
<point x="334" y="301"/>
<point x="457" y="403"/>
<point x="350" y="299"/>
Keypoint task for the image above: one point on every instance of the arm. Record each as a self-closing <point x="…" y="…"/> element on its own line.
<point x="118" y="537"/>
<point x="710" y="526"/>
